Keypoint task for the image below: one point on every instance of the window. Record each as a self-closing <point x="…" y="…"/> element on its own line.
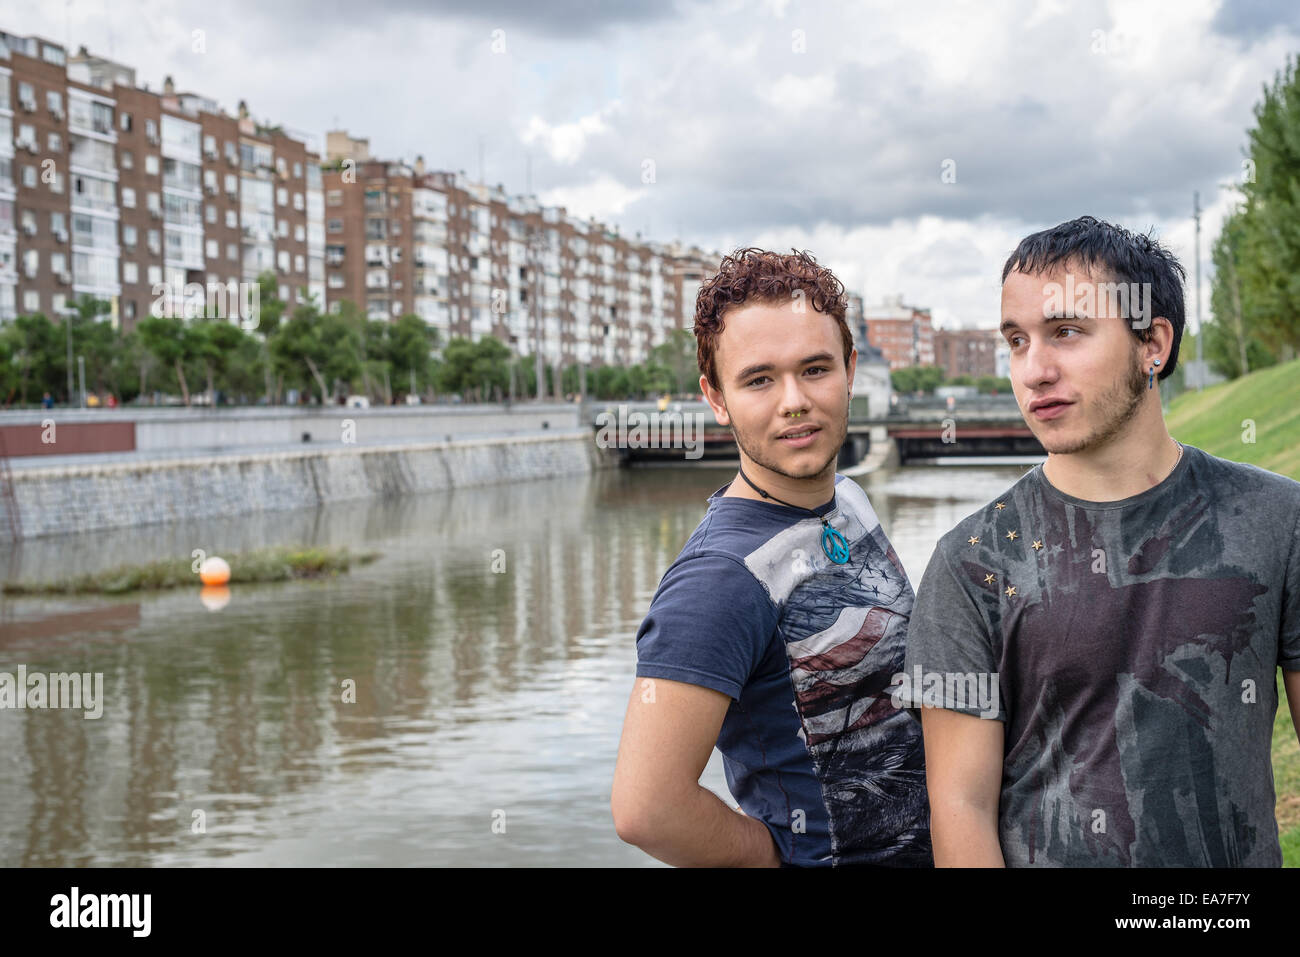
<point x="27" y="96"/>
<point x="298" y="264"/>
<point x="54" y="101"/>
<point x="57" y="223"/>
<point x="128" y="197"/>
<point x="336" y="280"/>
<point x="155" y="275"/>
<point x="300" y="233"/>
<point x="297" y="171"/>
<point x="26" y="136"/>
<point x="282" y="261"/>
<point x="334" y="197"/>
<point x="334" y="225"/>
<point x="297" y="200"/>
<point x="232" y="252"/>
<point x="126" y="122"/>
<point x="128" y="161"/>
<point x="212" y="248"/>
<point x="128" y="236"/>
<point x="280" y="166"/>
<point x="210" y="144"/>
<point x="153" y="201"/>
<point x="151" y="164"/>
<point x="31" y="301"/>
<point x="153" y="241"/>
<point x="130" y="272"/>
<point x="55" y="143"/>
<point x="210" y="214"/>
<point x="151" y="131"/>
<point x="232" y="183"/>
<point x="129" y="309"/>
<point x="232" y="219"/>
<point x="281" y="196"/>
<point x="282" y="228"/>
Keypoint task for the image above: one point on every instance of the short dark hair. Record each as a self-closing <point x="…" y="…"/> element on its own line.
<point x="1123" y="256"/>
<point x="756" y="275"/>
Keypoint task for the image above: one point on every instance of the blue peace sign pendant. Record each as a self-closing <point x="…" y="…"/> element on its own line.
<point x="834" y="545"/>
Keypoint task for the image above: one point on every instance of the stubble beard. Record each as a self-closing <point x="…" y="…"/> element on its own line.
<point x="754" y="452"/>
<point x="1116" y="408"/>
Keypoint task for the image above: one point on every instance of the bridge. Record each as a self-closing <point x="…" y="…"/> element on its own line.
<point x="685" y="433"/>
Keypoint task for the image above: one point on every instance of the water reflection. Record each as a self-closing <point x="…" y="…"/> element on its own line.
<point x="487" y="703"/>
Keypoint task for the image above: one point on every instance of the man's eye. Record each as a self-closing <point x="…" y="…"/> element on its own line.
<point x="1067" y="329"/>
<point x="817" y="369"/>
<point x="753" y="381"/>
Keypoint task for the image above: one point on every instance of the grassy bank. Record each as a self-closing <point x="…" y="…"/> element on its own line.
<point x="1213" y="420"/>
<point x="265" y="565"/>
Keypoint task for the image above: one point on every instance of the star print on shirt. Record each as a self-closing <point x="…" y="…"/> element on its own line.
<point x="1012" y="535"/>
<point x="1011" y="590"/>
<point x="974" y="540"/>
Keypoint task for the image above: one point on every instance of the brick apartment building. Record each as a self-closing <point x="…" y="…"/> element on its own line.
<point x="473" y="261"/>
<point x="971" y="352"/>
<point x="108" y="189"/>
<point x="902" y="333"/>
<point x="116" y="191"/>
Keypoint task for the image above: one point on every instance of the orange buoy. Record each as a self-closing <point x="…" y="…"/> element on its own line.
<point x="214" y="571"/>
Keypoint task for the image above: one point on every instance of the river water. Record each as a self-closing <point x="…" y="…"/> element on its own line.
<point x="490" y="649"/>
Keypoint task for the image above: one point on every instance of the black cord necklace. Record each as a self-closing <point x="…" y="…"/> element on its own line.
<point x="833" y="543"/>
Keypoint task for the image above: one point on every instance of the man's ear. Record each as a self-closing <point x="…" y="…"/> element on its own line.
<point x="715" y="400"/>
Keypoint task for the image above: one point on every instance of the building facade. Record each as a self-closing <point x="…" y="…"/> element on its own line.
<point x="969" y="352"/>
<point x="142" y="198"/>
<point x="474" y="261"/>
<point x="151" y="200"/>
<point x="902" y="333"/>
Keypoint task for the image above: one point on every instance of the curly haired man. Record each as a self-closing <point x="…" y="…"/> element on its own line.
<point x="775" y="633"/>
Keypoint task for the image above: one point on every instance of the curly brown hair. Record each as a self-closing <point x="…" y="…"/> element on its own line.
<point x="756" y="275"/>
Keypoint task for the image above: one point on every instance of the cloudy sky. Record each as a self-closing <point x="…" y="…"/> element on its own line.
<point x="907" y="145"/>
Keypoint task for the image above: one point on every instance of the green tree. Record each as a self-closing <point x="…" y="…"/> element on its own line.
<point x="167" y="340"/>
<point x="912" y="379"/>
<point x="1232" y="343"/>
<point x="33" y="359"/>
<point x="411" y="342"/>
<point x="1260" y="254"/>
<point x="476" y="366"/>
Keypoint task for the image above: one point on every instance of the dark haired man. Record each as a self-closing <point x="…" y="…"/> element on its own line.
<point x="1132" y="597"/>
<point x="776" y="631"/>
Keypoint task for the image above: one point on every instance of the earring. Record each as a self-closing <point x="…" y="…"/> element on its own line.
<point x="1151" y="376"/>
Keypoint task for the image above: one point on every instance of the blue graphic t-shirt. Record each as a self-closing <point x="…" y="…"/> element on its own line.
<point x="812" y="745"/>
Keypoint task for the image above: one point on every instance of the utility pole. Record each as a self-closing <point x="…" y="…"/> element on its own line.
<point x="1200" y="339"/>
<point x="81" y="370"/>
<point x="67" y="325"/>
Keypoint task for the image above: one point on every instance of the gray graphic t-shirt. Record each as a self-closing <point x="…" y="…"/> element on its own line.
<point x="1136" y="646"/>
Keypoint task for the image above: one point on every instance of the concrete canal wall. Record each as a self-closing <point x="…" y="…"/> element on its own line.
<point x="64" y="498"/>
